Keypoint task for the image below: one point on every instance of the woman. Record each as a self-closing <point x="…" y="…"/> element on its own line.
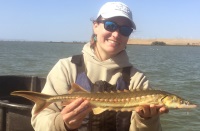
<point x="103" y="66"/>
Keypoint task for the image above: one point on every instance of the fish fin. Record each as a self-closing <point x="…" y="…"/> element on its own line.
<point x="75" y="88"/>
<point x="39" y="99"/>
<point x="98" y="110"/>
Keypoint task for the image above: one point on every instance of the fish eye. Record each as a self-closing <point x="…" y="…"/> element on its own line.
<point x="184" y="102"/>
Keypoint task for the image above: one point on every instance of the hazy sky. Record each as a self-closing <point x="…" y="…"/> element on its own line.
<point x="69" y="20"/>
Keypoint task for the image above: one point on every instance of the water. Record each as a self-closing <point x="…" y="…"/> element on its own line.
<point x="174" y="69"/>
<point x="171" y="68"/>
<point x="33" y="58"/>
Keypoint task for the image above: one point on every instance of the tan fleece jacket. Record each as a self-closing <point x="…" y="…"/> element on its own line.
<point x="64" y="73"/>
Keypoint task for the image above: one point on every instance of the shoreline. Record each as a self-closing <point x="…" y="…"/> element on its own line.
<point x="131" y="41"/>
<point x="168" y="41"/>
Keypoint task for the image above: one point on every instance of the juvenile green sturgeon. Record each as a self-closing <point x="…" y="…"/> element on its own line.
<point x="101" y="101"/>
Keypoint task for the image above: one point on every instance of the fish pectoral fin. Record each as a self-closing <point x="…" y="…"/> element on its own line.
<point x="98" y="110"/>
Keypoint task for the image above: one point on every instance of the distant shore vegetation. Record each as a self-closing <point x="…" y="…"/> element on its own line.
<point x="23" y="41"/>
<point x="167" y="41"/>
<point x="131" y="41"/>
<point x="161" y="43"/>
<point x="73" y="42"/>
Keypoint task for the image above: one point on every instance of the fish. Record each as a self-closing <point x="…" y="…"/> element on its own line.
<point x="126" y="100"/>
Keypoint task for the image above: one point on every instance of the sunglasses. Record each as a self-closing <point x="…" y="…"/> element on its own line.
<point x="112" y="26"/>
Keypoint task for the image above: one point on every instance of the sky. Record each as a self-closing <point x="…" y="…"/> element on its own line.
<point x="70" y="20"/>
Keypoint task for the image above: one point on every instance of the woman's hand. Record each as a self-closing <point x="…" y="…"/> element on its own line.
<point x="148" y="111"/>
<point x="74" y="113"/>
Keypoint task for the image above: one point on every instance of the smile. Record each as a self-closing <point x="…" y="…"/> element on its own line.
<point x="113" y="42"/>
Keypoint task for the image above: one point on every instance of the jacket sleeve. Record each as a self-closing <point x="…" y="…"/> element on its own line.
<point x="57" y="82"/>
<point x="139" y="81"/>
<point x="140" y="124"/>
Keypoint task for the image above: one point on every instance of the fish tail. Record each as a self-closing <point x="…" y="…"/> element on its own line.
<point x="39" y="99"/>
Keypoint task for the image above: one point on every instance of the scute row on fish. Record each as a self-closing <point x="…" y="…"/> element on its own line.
<point x="102" y="101"/>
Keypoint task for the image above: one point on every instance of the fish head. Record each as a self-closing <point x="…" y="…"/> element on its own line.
<point x="173" y="101"/>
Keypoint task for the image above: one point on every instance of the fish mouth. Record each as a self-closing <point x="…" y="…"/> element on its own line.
<point x="183" y="106"/>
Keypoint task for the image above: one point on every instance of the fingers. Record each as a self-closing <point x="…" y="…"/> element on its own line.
<point x="163" y="110"/>
<point x="79" y="117"/>
<point x="71" y="106"/>
<point x="148" y="111"/>
<point x="144" y="111"/>
<point x="74" y="113"/>
<point x="153" y="110"/>
<point x="79" y="112"/>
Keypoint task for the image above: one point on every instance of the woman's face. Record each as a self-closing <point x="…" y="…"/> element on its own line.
<point x="111" y="43"/>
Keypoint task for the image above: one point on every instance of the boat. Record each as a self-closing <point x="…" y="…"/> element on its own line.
<point x="15" y="112"/>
